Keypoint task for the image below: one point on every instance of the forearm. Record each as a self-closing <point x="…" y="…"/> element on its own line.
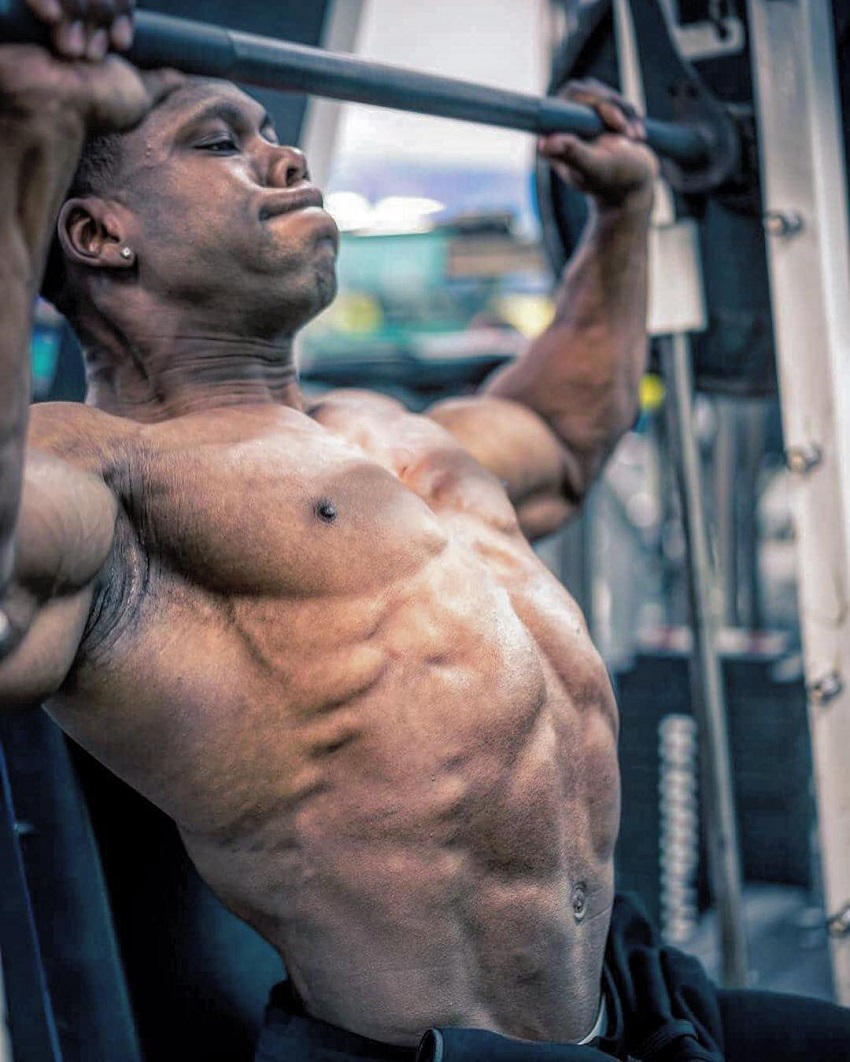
<point x="40" y="150"/>
<point x="582" y="374"/>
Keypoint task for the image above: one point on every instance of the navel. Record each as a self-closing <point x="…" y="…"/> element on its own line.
<point x="578" y="900"/>
<point x="325" y="510"/>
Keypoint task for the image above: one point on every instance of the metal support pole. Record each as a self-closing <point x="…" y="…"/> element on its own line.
<point x="706" y="674"/>
<point x="751" y="443"/>
<point x="727" y="452"/>
<point x="673" y="313"/>
<point x="738" y="456"/>
<point x="805" y="200"/>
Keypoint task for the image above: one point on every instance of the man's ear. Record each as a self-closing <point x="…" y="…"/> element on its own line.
<point x="96" y="232"/>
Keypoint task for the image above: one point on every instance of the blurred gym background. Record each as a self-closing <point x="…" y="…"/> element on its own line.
<point x="446" y="270"/>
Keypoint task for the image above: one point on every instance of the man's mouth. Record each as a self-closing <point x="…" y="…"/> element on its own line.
<point x="289" y="201"/>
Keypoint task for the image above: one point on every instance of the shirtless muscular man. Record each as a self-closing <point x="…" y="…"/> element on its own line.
<point x="314" y="633"/>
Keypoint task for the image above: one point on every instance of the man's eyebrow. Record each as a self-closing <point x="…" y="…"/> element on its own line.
<point x="226" y="111"/>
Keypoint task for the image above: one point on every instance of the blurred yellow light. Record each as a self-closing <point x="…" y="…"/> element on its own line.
<point x="529" y="314"/>
<point x="652" y="392"/>
<point x="357" y="313"/>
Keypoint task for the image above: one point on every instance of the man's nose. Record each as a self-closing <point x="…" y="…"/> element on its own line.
<point x="288" y="166"/>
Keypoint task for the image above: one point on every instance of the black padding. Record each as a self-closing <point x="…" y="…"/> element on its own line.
<point x="781" y="1027"/>
<point x="198" y="977"/>
<point x="84" y="994"/>
<point x="29" y="1009"/>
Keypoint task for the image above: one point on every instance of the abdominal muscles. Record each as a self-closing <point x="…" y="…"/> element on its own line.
<point x="428" y="830"/>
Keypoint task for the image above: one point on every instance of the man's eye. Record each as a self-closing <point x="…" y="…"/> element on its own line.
<point x="222" y="146"/>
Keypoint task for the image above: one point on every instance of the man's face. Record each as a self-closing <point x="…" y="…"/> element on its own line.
<point x="229" y="223"/>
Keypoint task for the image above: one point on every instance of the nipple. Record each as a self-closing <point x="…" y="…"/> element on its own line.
<point x="326" y="511"/>
<point x="578" y="899"/>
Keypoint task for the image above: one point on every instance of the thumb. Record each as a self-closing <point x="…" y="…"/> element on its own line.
<point x="571" y="151"/>
<point x="574" y="160"/>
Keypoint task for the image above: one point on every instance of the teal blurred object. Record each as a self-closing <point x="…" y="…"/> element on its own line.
<point x="44" y="353"/>
<point x="394" y="262"/>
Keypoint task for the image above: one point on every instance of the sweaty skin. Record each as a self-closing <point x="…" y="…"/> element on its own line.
<point x="323" y="646"/>
<point x="316" y="634"/>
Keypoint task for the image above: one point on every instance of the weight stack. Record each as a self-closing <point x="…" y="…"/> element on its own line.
<point x="661" y="851"/>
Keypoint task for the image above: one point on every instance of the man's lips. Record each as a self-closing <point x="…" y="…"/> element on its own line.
<point x="287" y="202"/>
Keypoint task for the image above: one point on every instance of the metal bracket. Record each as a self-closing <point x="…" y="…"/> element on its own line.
<point x="783" y="223"/>
<point x="803" y="458"/>
<point x="826" y="688"/>
<point x="838" y="925"/>
<point x="710" y="40"/>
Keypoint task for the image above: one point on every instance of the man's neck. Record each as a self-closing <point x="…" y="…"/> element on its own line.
<point x="151" y="378"/>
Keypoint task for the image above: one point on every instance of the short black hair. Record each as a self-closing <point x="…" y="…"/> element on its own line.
<point x="98" y="173"/>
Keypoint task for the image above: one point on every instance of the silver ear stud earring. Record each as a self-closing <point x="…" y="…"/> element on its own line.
<point x="126" y="253"/>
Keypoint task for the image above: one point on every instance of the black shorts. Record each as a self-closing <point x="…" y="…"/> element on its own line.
<point x="661" y="1007"/>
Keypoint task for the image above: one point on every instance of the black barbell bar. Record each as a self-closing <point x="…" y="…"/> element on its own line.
<point x="214" y="51"/>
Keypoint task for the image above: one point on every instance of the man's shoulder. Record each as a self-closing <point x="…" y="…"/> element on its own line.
<point x="370" y="419"/>
<point x="80" y="434"/>
<point x="354" y="402"/>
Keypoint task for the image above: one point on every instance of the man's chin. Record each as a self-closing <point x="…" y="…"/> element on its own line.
<point x="326" y="229"/>
<point x="311" y="297"/>
<point x="326" y="286"/>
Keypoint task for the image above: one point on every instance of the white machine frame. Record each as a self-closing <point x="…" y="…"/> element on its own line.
<point x="804" y="188"/>
<point x="805" y="202"/>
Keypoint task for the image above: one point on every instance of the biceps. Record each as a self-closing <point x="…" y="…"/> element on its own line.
<point x="63" y="537"/>
<point x="518" y="447"/>
<point x="65" y="526"/>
